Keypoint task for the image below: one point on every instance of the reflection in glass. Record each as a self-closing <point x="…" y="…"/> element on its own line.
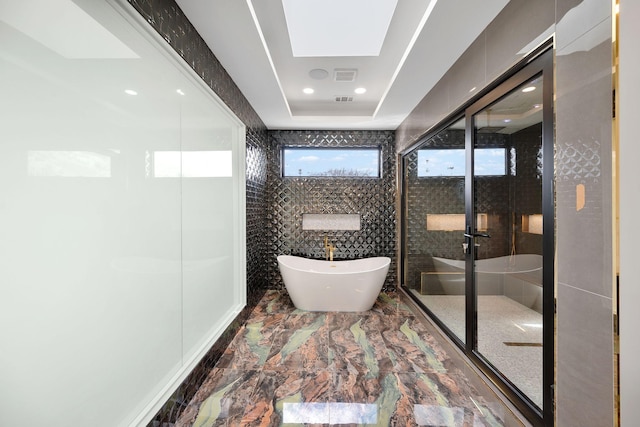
<point x="329" y="413"/>
<point x="508" y="266"/>
<point x="192" y="164"/>
<point x="451" y="162"/>
<point x="432" y="415"/>
<point x="431" y="247"/>
<point x="85" y="164"/>
<point x="453" y="222"/>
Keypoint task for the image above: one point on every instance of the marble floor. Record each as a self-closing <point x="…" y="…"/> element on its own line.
<point x="509" y="336"/>
<point x="383" y="367"/>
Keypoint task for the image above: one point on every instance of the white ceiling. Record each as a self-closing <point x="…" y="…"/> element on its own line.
<point x="251" y="40"/>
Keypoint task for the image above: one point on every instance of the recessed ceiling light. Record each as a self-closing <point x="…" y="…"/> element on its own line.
<point x="318" y="74"/>
<point x="308" y="90"/>
<point x="360" y="90"/>
<point x="529" y="89"/>
<point x="179" y="92"/>
<point x="507" y="120"/>
<point x="130" y="92"/>
<point x="537" y="106"/>
<point x="472" y="89"/>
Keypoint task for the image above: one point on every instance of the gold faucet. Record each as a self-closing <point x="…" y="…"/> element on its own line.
<point x="328" y="250"/>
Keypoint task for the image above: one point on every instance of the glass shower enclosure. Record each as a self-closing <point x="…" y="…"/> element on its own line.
<point x="478" y="237"/>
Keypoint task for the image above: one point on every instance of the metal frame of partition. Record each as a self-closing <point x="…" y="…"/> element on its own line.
<point x="540" y="62"/>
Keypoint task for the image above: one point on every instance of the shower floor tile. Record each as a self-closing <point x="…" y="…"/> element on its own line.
<point x="383" y="367"/>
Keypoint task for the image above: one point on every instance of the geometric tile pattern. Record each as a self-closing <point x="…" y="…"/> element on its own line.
<point x="257" y="207"/>
<point x="579" y="160"/>
<point x="166" y="17"/>
<point x="291" y="197"/>
<point x="383" y="367"/>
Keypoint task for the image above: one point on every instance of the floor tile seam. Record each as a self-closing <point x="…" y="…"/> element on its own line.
<point x="301" y="329"/>
<point x="266" y="315"/>
<point x="337" y="357"/>
<point x="333" y="387"/>
<point x="267" y="329"/>
<point x="396" y="366"/>
<point x="241" y="373"/>
<point x="395" y="356"/>
<point x="233" y="345"/>
<point x="252" y="398"/>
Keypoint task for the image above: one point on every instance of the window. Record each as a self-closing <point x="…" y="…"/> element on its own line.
<point x="331" y="162"/>
<point x="451" y="162"/>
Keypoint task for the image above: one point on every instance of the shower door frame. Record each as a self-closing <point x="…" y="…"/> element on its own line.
<point x="538" y="63"/>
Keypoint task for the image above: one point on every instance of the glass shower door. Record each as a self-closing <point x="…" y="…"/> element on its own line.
<point x="476" y="252"/>
<point x="434" y="268"/>
<point x="508" y="242"/>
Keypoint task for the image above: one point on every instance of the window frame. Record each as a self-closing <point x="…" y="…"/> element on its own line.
<point x="284" y="148"/>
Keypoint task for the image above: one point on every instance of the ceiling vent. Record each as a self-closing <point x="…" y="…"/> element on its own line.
<point x="344" y="98"/>
<point x="345" y="75"/>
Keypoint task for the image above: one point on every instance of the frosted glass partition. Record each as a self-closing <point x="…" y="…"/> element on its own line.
<point x="121" y="216"/>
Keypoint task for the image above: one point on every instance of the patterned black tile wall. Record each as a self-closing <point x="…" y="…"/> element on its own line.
<point x="168" y="20"/>
<point x="527" y="185"/>
<point x="373" y="199"/>
<point x="521" y="188"/>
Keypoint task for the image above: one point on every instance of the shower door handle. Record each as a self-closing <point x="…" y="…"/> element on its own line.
<point x="471" y="242"/>
<point x="472" y="235"/>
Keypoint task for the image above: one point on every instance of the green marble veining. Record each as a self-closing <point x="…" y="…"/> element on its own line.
<point x="386" y="299"/>
<point x="387" y="400"/>
<point x="433" y="386"/>
<point x="392" y="357"/>
<point x="211" y="409"/>
<point x="274" y="305"/>
<point x="414" y="338"/>
<point x="370" y="359"/>
<point x="300" y="336"/>
<point x="489" y="418"/>
<point x="254" y="338"/>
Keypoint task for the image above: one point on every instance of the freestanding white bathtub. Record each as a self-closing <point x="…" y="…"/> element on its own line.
<point x="316" y="285"/>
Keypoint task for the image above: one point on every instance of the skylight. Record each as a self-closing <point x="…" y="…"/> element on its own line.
<point x="337" y="27"/>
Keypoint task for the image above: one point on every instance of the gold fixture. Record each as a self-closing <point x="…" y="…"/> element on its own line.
<point x="328" y="250"/>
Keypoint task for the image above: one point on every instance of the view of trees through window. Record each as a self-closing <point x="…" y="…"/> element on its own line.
<point x="331" y="162"/>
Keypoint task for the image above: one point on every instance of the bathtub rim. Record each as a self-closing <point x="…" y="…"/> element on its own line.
<point x="385" y="262"/>
<point x="460" y="264"/>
